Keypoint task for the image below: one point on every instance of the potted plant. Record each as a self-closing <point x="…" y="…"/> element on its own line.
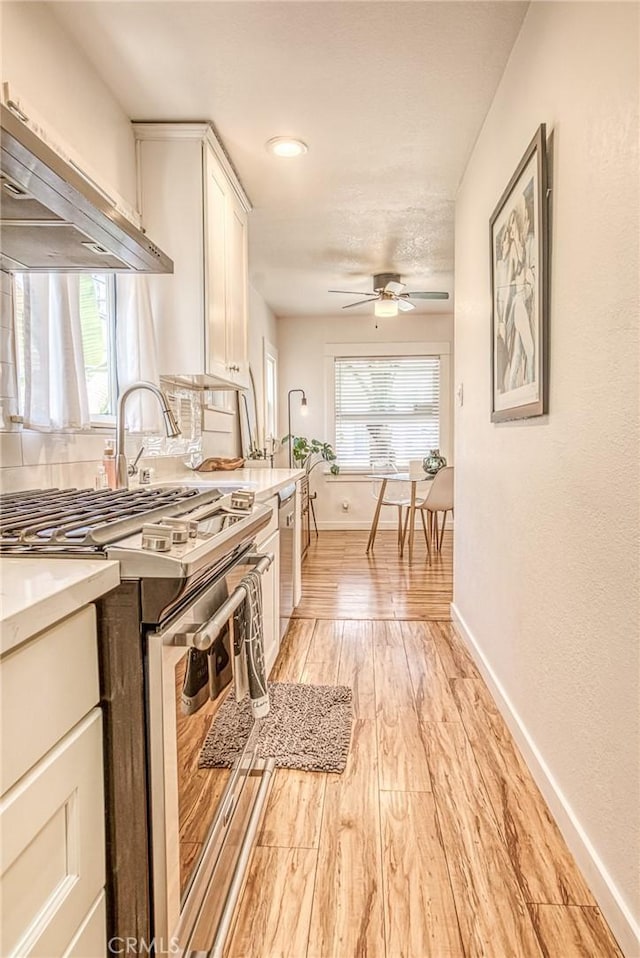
<point x="308" y="453"/>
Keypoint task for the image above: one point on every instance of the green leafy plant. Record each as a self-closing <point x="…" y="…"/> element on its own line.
<point x="309" y="453"/>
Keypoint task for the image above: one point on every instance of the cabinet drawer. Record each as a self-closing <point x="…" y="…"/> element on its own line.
<point x="46" y="686"/>
<point x="52" y="858"/>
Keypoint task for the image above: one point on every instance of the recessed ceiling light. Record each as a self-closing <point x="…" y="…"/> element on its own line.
<point x="286" y="146"/>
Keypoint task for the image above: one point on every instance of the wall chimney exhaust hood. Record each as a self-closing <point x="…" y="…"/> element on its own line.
<point x="52" y="219"/>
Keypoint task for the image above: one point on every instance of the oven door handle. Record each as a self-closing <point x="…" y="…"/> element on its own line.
<point x="203" y="637"/>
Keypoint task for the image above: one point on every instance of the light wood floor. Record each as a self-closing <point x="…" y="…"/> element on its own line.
<point x="340" y="581"/>
<point x="435" y="840"/>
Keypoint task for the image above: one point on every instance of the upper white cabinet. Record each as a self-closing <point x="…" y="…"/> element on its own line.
<point x="192" y="202"/>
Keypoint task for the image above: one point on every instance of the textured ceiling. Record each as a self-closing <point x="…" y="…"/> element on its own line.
<point x="389" y="97"/>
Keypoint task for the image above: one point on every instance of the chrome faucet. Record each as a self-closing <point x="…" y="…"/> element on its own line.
<point x="170" y="425"/>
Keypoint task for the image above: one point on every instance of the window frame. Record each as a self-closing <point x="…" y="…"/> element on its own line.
<point x="332" y="351"/>
<point x="97" y="421"/>
<point x="108" y="420"/>
<point x="270" y="422"/>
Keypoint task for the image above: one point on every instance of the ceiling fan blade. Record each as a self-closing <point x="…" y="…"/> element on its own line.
<point x="404" y="305"/>
<point x="351" y="292"/>
<point x="359" y="303"/>
<point x="395" y="288"/>
<point x="423" y="294"/>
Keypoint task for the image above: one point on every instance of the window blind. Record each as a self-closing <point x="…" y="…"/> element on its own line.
<point x="387" y="409"/>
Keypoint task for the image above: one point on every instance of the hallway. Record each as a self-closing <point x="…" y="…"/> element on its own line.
<point x="435" y="840"/>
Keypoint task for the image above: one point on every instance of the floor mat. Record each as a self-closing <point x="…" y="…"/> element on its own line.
<point x="308" y="727"/>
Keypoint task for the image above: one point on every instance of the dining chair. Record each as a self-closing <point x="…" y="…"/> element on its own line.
<point x="438" y="499"/>
<point x="397" y="493"/>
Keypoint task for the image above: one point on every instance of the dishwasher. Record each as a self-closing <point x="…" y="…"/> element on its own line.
<point x="286" y="526"/>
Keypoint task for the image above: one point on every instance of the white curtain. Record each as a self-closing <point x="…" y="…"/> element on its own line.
<point x="136" y="352"/>
<point x="55" y="385"/>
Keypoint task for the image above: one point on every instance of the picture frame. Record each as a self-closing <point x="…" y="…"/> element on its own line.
<point x="518" y="232"/>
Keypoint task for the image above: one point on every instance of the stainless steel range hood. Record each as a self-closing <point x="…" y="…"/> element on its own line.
<point x="52" y="219"/>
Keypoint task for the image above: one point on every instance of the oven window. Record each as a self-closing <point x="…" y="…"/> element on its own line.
<point x="199" y="789"/>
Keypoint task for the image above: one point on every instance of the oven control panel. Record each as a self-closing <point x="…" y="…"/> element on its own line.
<point x="162" y="536"/>
<point x="181" y="545"/>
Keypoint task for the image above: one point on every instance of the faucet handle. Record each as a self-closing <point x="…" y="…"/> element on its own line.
<point x="132" y="468"/>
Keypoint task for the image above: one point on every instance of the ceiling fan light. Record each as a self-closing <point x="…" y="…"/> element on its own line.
<point x="385" y="307"/>
<point x="286" y="146"/>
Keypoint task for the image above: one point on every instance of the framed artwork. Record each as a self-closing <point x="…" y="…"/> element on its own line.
<point x="519" y="290"/>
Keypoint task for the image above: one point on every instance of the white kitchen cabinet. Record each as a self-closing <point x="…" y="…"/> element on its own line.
<point x="52" y="850"/>
<point x="271" y="601"/>
<point x="268" y="540"/>
<point x="89" y="941"/>
<point x="54" y="676"/>
<point x="192" y="202"/>
<point x="298" y="546"/>
<point x="52" y="837"/>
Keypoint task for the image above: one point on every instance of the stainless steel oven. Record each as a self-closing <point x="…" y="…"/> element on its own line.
<point x="203" y="820"/>
<point x="177" y="836"/>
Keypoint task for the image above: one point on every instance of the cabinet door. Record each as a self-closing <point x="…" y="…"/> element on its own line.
<point x="171" y="198"/>
<point x="237" y="271"/>
<point x="52" y="850"/>
<point x="271" y="601"/>
<point x="90" y="941"/>
<point x="216" y="244"/>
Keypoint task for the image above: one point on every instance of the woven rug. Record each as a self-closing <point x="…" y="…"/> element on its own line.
<point x="308" y="727"/>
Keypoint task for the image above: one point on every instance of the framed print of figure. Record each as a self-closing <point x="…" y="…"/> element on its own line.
<point x="519" y="290"/>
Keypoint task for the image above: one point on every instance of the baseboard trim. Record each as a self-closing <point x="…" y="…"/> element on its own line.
<point x="613" y="907"/>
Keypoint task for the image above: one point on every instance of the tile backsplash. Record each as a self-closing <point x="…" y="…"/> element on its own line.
<point x="30" y="460"/>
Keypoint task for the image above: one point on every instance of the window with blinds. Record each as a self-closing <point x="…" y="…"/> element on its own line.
<point x="387" y="409"/>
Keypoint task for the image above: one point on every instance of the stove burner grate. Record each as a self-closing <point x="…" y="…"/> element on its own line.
<point x="85" y="518"/>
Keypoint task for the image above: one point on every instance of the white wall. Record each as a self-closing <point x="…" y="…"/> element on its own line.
<point x="46" y="68"/>
<point x="301" y="348"/>
<point x="547" y="530"/>
<point x="51" y="75"/>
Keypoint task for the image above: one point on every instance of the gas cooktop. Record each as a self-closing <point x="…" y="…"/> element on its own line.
<point x="163" y="531"/>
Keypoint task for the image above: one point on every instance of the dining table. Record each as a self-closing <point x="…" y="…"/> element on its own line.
<point x="384" y="478"/>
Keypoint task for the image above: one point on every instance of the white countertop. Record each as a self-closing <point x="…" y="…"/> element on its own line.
<point x="36" y="593"/>
<point x="264" y="482"/>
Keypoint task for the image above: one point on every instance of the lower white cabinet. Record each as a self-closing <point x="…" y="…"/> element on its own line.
<point x="52" y="836"/>
<point x="271" y="601"/>
<point x="268" y="540"/>
<point x="52" y="849"/>
<point x="89" y="940"/>
<point x="51" y="679"/>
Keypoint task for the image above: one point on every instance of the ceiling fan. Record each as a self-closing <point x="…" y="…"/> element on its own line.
<point x="388" y="295"/>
